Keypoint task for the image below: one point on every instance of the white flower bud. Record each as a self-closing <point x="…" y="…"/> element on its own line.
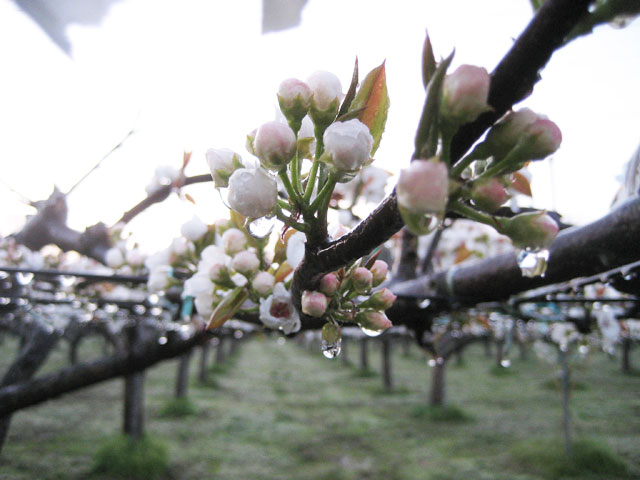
<point x="233" y="241"/>
<point x="222" y="163"/>
<point x="275" y="145"/>
<point x="114" y="258"/>
<point x="263" y="283"/>
<point x="423" y="187"/>
<point x="326" y="88"/>
<point x="194" y="229"/>
<point x="252" y="192"/>
<point x="348" y="145"/>
<point x="245" y="262"/>
<point x="465" y="93"/>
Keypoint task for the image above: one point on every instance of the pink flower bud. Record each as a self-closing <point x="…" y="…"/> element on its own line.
<point x="362" y="279"/>
<point x="373" y="320"/>
<point x="464" y="94"/>
<point x="381" y="299"/>
<point x="233" y="241"/>
<point x="219" y="273"/>
<point x="347" y="145"/>
<point x="252" y="192"/>
<point x="534" y="230"/>
<point x="423" y="187"/>
<point x="275" y="145"/>
<point x="314" y="303"/>
<point x="263" y="283"/>
<point x="329" y="284"/>
<point x="222" y="163"/>
<point x="489" y="195"/>
<point x="379" y="271"/>
<point x="537" y="136"/>
<point x="245" y="262"/>
<point x="326" y="89"/>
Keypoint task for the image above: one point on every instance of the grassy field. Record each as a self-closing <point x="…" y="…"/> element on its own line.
<point x="277" y="411"/>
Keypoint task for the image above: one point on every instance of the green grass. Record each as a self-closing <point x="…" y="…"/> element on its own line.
<point x="441" y="413"/>
<point x="121" y="457"/>
<point x="281" y="412"/>
<point x="178" y="408"/>
<point x="588" y="459"/>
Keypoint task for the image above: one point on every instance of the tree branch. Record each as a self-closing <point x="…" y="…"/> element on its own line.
<point x="608" y="243"/>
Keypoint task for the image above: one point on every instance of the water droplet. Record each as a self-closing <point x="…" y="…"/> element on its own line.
<point x="155" y="311"/>
<point x="67" y="280"/>
<point x="238" y="334"/>
<point x="24" y="278"/>
<point x="371" y="333"/>
<point x="111" y="308"/>
<point x="432" y="362"/>
<point x="224" y="196"/>
<point x="505" y="363"/>
<point x="139" y="309"/>
<point x="583" y="349"/>
<point x="425" y="303"/>
<point x="261" y="227"/>
<point x="331" y="350"/>
<point x="533" y="263"/>
<point x="162" y="340"/>
<point x="629" y="276"/>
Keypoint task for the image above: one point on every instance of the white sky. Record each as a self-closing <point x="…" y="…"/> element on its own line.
<point x="195" y="74"/>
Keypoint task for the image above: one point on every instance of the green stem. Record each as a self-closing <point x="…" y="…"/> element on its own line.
<point x="462" y="164"/>
<point x="509" y="161"/>
<point x="474" y="214"/>
<point x="293" y="195"/>
<point x="311" y="181"/>
<point x="295" y="174"/>
<point x="327" y="190"/>
<point x="302" y="227"/>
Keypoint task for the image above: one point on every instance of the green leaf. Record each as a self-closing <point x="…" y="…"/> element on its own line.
<point x="228" y="307"/>
<point x="427" y="134"/>
<point x="373" y="97"/>
<point x="429" y="64"/>
<point x="351" y="93"/>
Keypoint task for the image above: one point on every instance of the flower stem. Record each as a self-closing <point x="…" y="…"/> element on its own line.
<point x="474" y="214"/>
<point x="293" y="195"/>
<point x="326" y="191"/>
<point x="301" y="227"/>
<point x="311" y="181"/>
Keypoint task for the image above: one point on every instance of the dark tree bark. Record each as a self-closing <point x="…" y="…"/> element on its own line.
<point x="387" y="373"/>
<point x="220" y="353"/>
<point x="364" y="354"/>
<point x="204" y="362"/>
<point x="32" y="355"/>
<point x="437" y="391"/>
<point x="133" y="411"/>
<point x="182" y="378"/>
<point x="626" y="355"/>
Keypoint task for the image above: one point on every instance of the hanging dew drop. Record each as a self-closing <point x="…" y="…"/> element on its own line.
<point x="533" y="263"/>
<point x="261" y="227"/>
<point x="371" y="333"/>
<point x="331" y="350"/>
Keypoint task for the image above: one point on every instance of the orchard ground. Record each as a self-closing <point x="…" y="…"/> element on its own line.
<point x="277" y="411"/>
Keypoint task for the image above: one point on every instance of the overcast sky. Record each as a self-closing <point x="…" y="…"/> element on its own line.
<point x="190" y="75"/>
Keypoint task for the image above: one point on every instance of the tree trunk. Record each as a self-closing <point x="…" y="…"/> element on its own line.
<point x="35" y="350"/>
<point x="133" y="424"/>
<point x="387" y="377"/>
<point x="626" y="359"/>
<point x="204" y="362"/>
<point x="220" y="355"/>
<point x="437" y="392"/>
<point x="364" y="354"/>
<point x="182" y="379"/>
<point x="344" y="350"/>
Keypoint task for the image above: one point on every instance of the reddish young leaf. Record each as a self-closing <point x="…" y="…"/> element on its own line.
<point x="521" y="184"/>
<point x="373" y="100"/>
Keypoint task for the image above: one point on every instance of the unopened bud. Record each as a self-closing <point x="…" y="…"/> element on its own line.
<point x="294" y="97"/>
<point x="380" y="300"/>
<point x="489" y="195"/>
<point x="222" y="163"/>
<point x="263" y="283"/>
<point x="252" y="192"/>
<point x="314" y="303"/>
<point x="347" y="146"/>
<point x="373" y="320"/>
<point x="379" y="271"/>
<point x="534" y="230"/>
<point x="464" y="94"/>
<point x="331" y="333"/>
<point x="275" y="145"/>
<point x="329" y="284"/>
<point x="245" y="262"/>
<point x="423" y="187"/>
<point x="362" y="280"/>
